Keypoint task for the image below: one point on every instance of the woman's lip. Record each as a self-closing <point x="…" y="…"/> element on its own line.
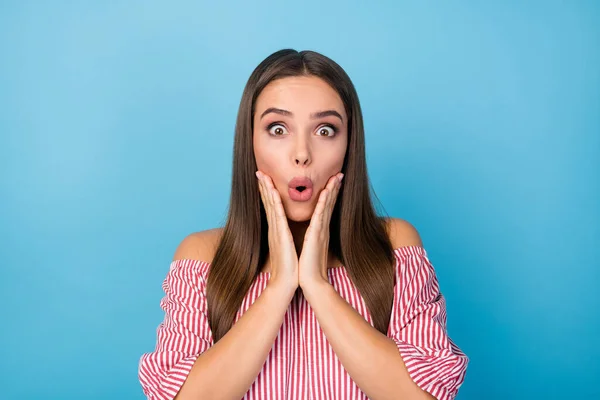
<point x="297" y="195"/>
<point x="301" y="181"/>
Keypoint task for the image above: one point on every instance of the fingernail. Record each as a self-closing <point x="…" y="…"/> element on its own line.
<point x="257" y="175"/>
<point x="340" y="177"/>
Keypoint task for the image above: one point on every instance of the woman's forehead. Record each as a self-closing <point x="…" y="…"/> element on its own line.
<point x="300" y="96"/>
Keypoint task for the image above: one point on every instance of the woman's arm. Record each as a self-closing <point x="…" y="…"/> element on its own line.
<point x="241" y="353"/>
<point x="186" y="363"/>
<point x="228" y="368"/>
<point x="371" y="358"/>
<point x="416" y="359"/>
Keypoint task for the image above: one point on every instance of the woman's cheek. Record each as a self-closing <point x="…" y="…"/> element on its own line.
<point x="263" y="162"/>
<point x="269" y="167"/>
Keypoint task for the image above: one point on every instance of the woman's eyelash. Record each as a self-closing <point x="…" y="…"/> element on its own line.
<point x="272" y="125"/>
<point x="333" y="127"/>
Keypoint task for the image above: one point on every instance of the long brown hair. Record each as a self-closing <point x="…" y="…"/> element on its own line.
<point x="359" y="237"/>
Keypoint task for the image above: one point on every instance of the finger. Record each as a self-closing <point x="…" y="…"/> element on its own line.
<point x="332" y="184"/>
<point x="325" y="214"/>
<point x="268" y="184"/>
<point x="264" y="193"/>
<point x="279" y="212"/>
<point x="333" y="197"/>
<point x="271" y="206"/>
<point x="261" y="190"/>
<point x="331" y="188"/>
<point x="278" y="204"/>
<point x="316" y="221"/>
<point x="274" y="199"/>
<point x="272" y="191"/>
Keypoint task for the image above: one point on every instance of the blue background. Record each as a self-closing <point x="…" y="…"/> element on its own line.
<point x="116" y="132"/>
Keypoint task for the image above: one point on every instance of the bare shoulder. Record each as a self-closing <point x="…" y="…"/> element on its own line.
<point x="402" y="233"/>
<point x="199" y="245"/>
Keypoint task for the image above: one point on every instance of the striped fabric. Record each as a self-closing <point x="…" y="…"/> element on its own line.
<point x="302" y="364"/>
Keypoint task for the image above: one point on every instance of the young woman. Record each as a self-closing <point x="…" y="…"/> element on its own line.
<point x="305" y="293"/>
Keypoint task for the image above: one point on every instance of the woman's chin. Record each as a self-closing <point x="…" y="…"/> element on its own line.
<point x="299" y="213"/>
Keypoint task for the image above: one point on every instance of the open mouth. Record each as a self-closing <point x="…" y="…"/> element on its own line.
<point x="300" y="189"/>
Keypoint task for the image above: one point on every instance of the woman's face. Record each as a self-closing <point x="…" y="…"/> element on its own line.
<point x="300" y="131"/>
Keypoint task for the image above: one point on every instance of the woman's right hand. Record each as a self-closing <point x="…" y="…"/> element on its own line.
<point x="283" y="258"/>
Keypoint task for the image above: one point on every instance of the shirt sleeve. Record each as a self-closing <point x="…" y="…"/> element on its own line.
<point x="418" y="326"/>
<point x="182" y="336"/>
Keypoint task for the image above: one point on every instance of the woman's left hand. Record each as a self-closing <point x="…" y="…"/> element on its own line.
<point x="312" y="264"/>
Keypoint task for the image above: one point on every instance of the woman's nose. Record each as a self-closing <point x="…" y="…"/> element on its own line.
<point x="301" y="152"/>
<point x="302" y="160"/>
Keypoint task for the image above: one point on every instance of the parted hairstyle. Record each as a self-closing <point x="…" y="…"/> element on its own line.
<point x="358" y="236"/>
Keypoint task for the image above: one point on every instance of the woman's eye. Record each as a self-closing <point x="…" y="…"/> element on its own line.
<point x="276" y="130"/>
<point x="327" y="130"/>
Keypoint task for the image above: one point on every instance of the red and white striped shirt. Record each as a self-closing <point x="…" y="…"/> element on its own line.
<point x="302" y="365"/>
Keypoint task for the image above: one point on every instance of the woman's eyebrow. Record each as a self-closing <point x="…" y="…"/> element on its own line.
<point x="276" y="111"/>
<point x="319" y="114"/>
<point x="322" y="114"/>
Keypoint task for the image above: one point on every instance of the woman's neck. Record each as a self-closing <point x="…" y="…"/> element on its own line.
<point x="298" y="230"/>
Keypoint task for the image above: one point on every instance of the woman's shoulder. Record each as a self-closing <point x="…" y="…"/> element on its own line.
<point x="199" y="246"/>
<point x="402" y="233"/>
<point x="202" y="245"/>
